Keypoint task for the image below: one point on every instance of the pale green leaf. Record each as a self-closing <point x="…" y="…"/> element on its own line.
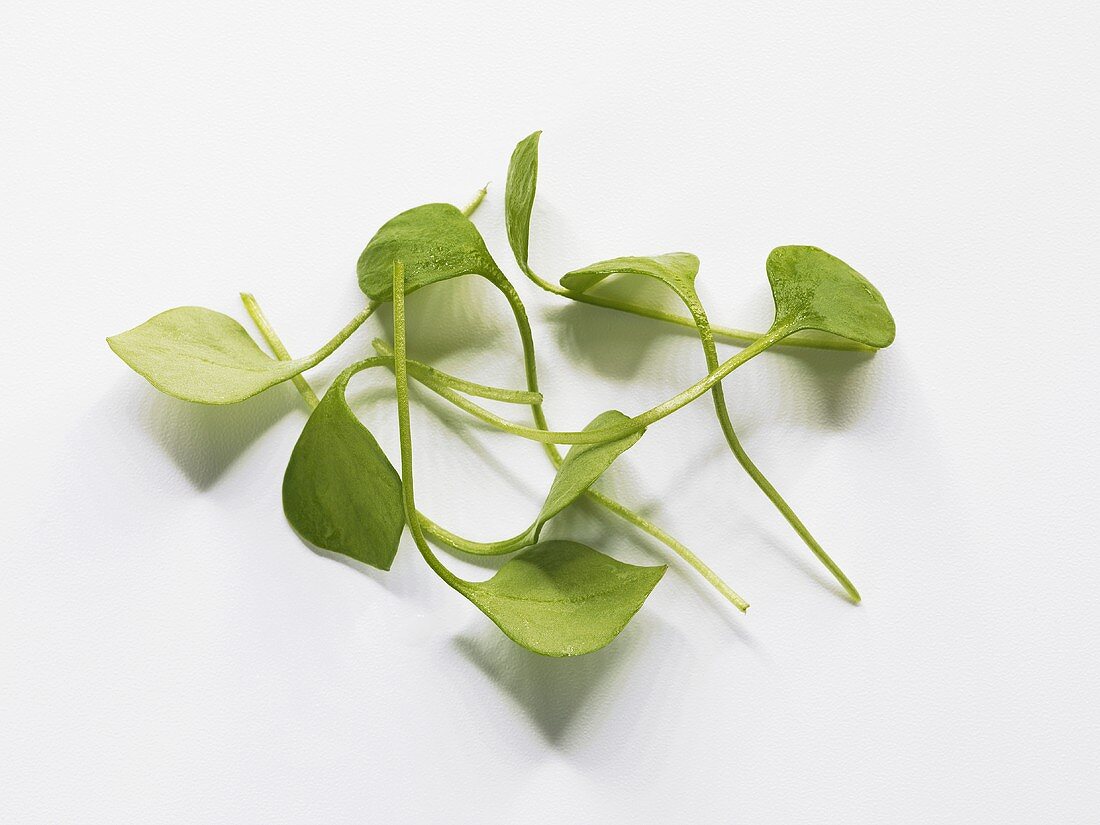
<point x="814" y="290"/>
<point x="340" y="491"/>
<point x="561" y="598"/>
<point x="435" y="242"/>
<point x="197" y="354"/>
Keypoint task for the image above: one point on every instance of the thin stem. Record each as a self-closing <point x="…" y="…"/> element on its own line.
<point x="472" y="206"/>
<point x="722" y="411"/>
<point x="663" y="537"/>
<point x="405" y="432"/>
<point x="738" y="336"/>
<point x="613" y="433"/>
<point x="461" y="384"/>
<point x="277" y="347"/>
<point x="530" y="369"/>
<point x="426" y="525"/>
<point x="343" y="335"/>
<point x="320" y="355"/>
<point x="426" y="374"/>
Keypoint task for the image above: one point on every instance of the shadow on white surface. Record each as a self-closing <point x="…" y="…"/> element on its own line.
<point x="463" y="313"/>
<point x="563" y="696"/>
<point x="801" y="560"/>
<point x="203" y="440"/>
<point x="840" y="385"/>
<point x="610" y="342"/>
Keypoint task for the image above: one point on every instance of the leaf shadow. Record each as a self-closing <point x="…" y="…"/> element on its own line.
<point x="612" y="342"/>
<point x="452" y="316"/>
<point x="400" y="586"/>
<point x="556" y="694"/>
<point x="203" y="440"/>
<point x="843" y="381"/>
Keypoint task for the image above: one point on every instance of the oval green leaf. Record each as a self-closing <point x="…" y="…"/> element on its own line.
<point x="435" y="242"/>
<point x="814" y="290"/>
<point x="676" y="269"/>
<point x="519" y="195"/>
<point x="582" y="466"/>
<point x="561" y="598"/>
<point x="197" y="354"/>
<point x="340" y="491"/>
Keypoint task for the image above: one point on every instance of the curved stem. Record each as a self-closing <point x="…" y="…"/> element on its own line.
<point x="439" y="533"/>
<point x="683" y="552"/>
<point x="461" y="384"/>
<point x="343" y="335"/>
<point x="277" y="347"/>
<point x="737" y="336"/>
<point x="722" y="411"/>
<point x="428" y="377"/>
<point x="638" y="422"/>
<point x="405" y="433"/>
<point x="530" y="369"/>
<point x="320" y="355"/>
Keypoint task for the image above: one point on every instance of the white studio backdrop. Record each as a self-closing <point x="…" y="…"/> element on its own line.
<point x="170" y="652"/>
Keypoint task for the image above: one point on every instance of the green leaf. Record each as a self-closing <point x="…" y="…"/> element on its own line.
<point x="197" y="354"/>
<point x="519" y="195"/>
<point x="814" y="290"/>
<point x="582" y="466"/>
<point x="340" y="491"/>
<point x="676" y="269"/>
<point x="561" y="598"/>
<point x="435" y="242"/>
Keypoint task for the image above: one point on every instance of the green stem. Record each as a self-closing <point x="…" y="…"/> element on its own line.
<point x="277" y="347"/>
<point x="405" y="431"/>
<point x="738" y="336"/>
<point x="472" y="206"/>
<point x="320" y="355"/>
<point x="638" y="422"/>
<point x="531" y="372"/>
<point x="722" y="411"/>
<point x="608" y="503"/>
<point x="683" y="552"/>
<point x="427" y="375"/>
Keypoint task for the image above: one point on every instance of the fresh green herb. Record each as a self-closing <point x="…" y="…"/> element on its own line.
<point x="558" y="598"/>
<point x="200" y="355"/>
<point x="678" y="271"/>
<point x="519" y="200"/>
<point x="342" y="493"/>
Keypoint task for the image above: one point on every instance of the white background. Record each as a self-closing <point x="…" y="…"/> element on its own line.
<point x="171" y="652"/>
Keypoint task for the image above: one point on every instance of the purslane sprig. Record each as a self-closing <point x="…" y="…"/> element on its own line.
<point x="342" y="493"/>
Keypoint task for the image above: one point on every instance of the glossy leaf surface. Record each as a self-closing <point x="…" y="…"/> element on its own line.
<point x="815" y="290"/>
<point x="435" y="242"/>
